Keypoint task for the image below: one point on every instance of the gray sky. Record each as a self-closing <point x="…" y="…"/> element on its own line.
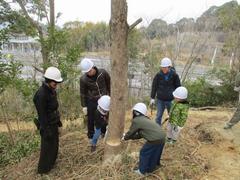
<point x="99" y="10"/>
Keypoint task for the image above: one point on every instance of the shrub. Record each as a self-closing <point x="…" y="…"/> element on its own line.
<point x="204" y="93"/>
<point x="26" y="143"/>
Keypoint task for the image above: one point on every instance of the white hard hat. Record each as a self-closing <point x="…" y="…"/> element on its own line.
<point x="140" y="107"/>
<point x="180" y="93"/>
<point x="86" y="65"/>
<point x="166" y="62"/>
<point x="104" y="102"/>
<point x="54" y="74"/>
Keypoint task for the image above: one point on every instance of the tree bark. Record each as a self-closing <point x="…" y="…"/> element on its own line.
<point x="119" y="64"/>
<point x="52" y="13"/>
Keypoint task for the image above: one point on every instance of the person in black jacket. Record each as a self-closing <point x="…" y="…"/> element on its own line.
<point x="46" y="103"/>
<point x="163" y="85"/>
<point x="100" y="119"/>
<point x="93" y="84"/>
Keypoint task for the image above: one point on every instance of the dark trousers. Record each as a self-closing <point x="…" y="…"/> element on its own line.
<point x="161" y="106"/>
<point x="49" y="150"/>
<point x="150" y="156"/>
<point x="91" y="107"/>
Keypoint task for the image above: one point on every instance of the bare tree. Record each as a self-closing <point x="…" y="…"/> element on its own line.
<point x="197" y="48"/>
<point x="119" y="30"/>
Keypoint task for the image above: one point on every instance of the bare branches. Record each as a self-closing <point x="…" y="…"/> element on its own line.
<point x="38" y="69"/>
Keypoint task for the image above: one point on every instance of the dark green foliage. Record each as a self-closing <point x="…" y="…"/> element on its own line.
<point x="203" y="93"/>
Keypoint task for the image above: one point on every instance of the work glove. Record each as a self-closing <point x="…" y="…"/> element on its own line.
<point x="84" y="109"/>
<point x="152" y="102"/>
<point x="106" y="133"/>
<point x="123" y="137"/>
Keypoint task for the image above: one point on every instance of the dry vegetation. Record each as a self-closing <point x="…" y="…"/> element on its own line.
<point x="192" y="157"/>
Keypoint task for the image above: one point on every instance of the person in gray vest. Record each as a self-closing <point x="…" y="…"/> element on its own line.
<point x="236" y="116"/>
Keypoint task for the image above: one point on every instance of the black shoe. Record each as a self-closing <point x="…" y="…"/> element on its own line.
<point x="103" y="135"/>
<point x="158" y="167"/>
<point x="93" y="148"/>
<point x="136" y="167"/>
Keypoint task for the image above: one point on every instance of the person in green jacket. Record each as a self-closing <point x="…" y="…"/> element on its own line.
<point x="143" y="127"/>
<point x="178" y="114"/>
<point x="236" y="116"/>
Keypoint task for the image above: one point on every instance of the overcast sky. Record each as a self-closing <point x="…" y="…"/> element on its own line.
<point x="99" y="10"/>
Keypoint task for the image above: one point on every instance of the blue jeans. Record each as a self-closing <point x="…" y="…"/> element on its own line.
<point x="150" y="156"/>
<point x="161" y="105"/>
<point x="96" y="135"/>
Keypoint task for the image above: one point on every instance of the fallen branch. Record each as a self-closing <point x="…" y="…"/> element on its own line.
<point x="211" y="108"/>
<point x="195" y="150"/>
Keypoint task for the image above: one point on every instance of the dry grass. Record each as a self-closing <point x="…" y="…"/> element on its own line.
<point x="181" y="161"/>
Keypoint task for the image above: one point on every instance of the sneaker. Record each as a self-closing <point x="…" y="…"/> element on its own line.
<point x="138" y="172"/>
<point x="168" y="140"/>
<point x="93" y="148"/>
<point x="228" y="126"/>
<point x="171" y="142"/>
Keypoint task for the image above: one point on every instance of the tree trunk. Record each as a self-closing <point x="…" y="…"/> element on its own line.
<point x="119" y="64"/>
<point x="52" y="25"/>
<point x="52" y="13"/>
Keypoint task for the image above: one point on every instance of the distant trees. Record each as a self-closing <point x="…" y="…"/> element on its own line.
<point x="157" y="28"/>
<point x="229" y="16"/>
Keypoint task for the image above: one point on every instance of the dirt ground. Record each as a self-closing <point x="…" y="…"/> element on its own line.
<point x="221" y="147"/>
<point x="204" y="151"/>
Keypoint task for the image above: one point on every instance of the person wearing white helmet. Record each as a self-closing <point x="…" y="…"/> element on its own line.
<point x="100" y="119"/>
<point x="143" y="127"/>
<point x="163" y="85"/>
<point x="46" y="103"/>
<point x="178" y="114"/>
<point x="94" y="83"/>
